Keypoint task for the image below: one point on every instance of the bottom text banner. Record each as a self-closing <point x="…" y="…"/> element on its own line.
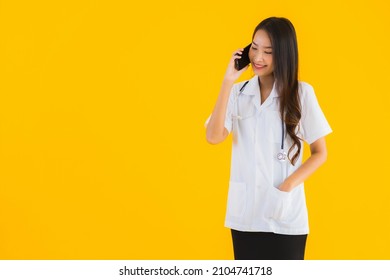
<point x="191" y="269"/>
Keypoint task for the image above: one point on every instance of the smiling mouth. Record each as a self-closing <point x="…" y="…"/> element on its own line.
<point x="259" y="66"/>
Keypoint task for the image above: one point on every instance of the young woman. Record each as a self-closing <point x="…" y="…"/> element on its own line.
<point x="269" y="116"/>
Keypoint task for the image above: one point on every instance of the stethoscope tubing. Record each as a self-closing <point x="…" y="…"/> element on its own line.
<point x="281" y="156"/>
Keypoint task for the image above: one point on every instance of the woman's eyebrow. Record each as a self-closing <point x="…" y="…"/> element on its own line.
<point x="263" y="47"/>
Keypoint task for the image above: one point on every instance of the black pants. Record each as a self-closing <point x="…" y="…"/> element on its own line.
<point x="268" y="246"/>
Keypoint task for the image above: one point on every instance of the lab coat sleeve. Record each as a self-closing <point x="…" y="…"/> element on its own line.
<point x="313" y="122"/>
<point x="229" y="111"/>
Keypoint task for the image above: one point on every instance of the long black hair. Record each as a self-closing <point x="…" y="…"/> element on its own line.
<point x="285" y="59"/>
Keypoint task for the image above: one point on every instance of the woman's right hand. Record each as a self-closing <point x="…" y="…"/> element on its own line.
<point x="231" y="73"/>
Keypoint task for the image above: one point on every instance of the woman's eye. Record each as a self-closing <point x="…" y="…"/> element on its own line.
<point x="253" y="48"/>
<point x="268" y="52"/>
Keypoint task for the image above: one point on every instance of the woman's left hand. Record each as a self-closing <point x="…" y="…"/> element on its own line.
<point x="284" y="187"/>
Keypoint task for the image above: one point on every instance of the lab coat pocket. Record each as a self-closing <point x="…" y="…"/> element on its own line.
<point x="280" y="204"/>
<point x="236" y="199"/>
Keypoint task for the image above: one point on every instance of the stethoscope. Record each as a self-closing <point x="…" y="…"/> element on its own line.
<point x="282" y="155"/>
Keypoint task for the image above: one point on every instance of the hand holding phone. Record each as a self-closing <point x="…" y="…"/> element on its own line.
<point x="237" y="64"/>
<point x="240" y="63"/>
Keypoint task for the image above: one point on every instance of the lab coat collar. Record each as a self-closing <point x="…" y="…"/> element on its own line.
<point x="253" y="88"/>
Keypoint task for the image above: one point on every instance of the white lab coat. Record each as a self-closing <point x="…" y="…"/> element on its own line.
<point x="254" y="201"/>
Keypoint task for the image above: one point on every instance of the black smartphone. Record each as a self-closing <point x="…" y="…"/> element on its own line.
<point x="244" y="60"/>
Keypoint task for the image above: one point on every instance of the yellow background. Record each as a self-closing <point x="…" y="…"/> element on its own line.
<point x="102" y="144"/>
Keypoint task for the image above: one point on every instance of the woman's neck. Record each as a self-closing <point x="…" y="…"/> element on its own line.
<point x="266" y="84"/>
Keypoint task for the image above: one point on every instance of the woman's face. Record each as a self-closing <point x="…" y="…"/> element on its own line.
<point x="260" y="54"/>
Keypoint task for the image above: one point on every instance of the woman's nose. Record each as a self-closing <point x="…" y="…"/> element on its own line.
<point x="258" y="57"/>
